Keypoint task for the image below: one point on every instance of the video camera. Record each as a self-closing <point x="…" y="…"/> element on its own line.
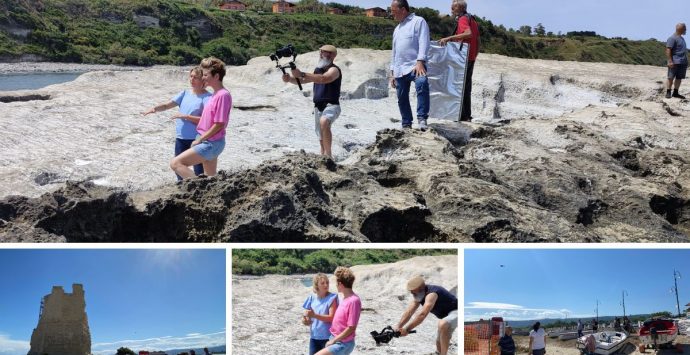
<point x="286" y="52"/>
<point x="386" y="335"/>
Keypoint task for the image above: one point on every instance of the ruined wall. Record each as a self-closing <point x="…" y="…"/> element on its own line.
<point x="63" y="328"/>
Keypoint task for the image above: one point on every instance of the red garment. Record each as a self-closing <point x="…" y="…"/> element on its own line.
<point x="474" y="39"/>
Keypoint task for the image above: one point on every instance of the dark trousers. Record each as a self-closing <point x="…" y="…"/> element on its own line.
<point x="466" y="113"/>
<point x="316" y="344"/>
<point x="180" y="146"/>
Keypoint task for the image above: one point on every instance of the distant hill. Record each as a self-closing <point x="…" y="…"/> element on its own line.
<point x="146" y="32"/>
<point x="214" y="350"/>
<point x="550" y="321"/>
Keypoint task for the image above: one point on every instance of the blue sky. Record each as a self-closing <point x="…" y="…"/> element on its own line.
<point x="542" y="283"/>
<point x="612" y="18"/>
<point x="141" y="299"/>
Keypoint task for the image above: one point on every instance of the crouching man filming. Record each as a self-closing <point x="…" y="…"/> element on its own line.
<point x="326" y="78"/>
<point x="436" y="300"/>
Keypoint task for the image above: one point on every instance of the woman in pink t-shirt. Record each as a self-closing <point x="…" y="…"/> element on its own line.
<point x="346" y="317"/>
<point x="210" y="140"/>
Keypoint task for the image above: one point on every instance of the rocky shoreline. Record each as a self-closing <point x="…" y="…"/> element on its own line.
<point x="562" y="152"/>
<point x="49" y="67"/>
<point x="408" y="186"/>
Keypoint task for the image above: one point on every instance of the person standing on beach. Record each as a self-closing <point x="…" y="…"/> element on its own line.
<point x="580" y="328"/>
<point x="327" y="78"/>
<point x="408" y="63"/>
<point x="466" y="31"/>
<point x="506" y="343"/>
<point x="677" y="54"/>
<point x="191" y="104"/>
<point x="435" y="300"/>
<point x="319" y="310"/>
<point x="346" y="318"/>
<point x="210" y="140"/>
<point x="537" y="340"/>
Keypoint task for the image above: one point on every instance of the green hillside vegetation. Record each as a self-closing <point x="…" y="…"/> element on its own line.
<point x="146" y="32"/>
<point x="305" y="261"/>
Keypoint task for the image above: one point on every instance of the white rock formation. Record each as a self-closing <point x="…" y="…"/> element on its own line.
<point x="91" y="128"/>
<point x="266" y="310"/>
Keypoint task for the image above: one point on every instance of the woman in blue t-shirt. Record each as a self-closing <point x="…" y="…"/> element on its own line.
<point x="319" y="309"/>
<point x="191" y="104"/>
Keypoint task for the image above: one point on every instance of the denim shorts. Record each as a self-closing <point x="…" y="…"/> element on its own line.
<point x="210" y="150"/>
<point x="331" y="113"/>
<point x="342" y="348"/>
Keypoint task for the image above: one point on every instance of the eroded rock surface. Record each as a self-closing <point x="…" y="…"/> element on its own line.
<point x="409" y="186"/>
<point x="559" y="152"/>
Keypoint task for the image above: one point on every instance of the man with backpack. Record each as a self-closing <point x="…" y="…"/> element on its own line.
<point x="466" y="31"/>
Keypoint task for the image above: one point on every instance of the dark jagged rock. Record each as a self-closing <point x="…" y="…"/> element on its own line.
<point x="453" y="183"/>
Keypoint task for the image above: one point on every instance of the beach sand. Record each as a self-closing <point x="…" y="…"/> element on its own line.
<point x="559" y="347"/>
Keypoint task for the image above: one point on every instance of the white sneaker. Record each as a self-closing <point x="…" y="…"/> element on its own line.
<point x="422" y="125"/>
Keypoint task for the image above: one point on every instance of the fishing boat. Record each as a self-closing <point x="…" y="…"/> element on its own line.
<point x="658" y="333"/>
<point x="606" y="342"/>
<point x="571" y="335"/>
<point x="567" y="335"/>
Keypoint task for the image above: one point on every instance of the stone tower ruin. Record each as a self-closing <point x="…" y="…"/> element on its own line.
<point x="63" y="328"/>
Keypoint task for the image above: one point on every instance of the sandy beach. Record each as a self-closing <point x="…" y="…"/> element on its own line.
<point x="559" y="347"/>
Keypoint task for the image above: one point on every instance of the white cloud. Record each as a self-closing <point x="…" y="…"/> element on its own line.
<point x="193" y="340"/>
<point x="483" y="305"/>
<point x="486" y="310"/>
<point x="13" y="347"/>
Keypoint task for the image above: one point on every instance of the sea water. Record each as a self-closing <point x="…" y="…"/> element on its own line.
<point x="34" y="81"/>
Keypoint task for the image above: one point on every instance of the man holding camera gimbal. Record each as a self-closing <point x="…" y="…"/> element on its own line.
<point x="326" y="78"/>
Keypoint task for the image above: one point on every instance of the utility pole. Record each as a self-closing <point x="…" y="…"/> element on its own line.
<point x="597" y="310"/>
<point x="676" y="276"/>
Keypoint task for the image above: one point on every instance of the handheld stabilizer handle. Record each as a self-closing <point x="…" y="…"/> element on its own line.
<point x="386" y="335"/>
<point x="293" y="66"/>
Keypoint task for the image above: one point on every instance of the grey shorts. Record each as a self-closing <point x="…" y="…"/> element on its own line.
<point x="678" y="71"/>
<point x="331" y="113"/>
<point x="452" y="319"/>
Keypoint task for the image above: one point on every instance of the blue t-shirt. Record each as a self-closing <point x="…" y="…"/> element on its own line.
<point x="679" y="50"/>
<point x="319" y="329"/>
<point x="190" y="104"/>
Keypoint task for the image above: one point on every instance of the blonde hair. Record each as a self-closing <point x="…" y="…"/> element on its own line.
<point x="315" y="281"/>
<point x="215" y="65"/>
<point x="344" y="276"/>
<point x="198" y="73"/>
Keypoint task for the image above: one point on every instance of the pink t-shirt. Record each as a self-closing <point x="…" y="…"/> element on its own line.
<point x="347" y="315"/>
<point x="217" y="110"/>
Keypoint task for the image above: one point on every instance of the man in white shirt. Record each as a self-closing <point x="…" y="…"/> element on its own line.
<point x="408" y="62"/>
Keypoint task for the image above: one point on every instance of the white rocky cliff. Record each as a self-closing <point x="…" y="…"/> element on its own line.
<point x="266" y="310"/>
<point x="63" y="328"/>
